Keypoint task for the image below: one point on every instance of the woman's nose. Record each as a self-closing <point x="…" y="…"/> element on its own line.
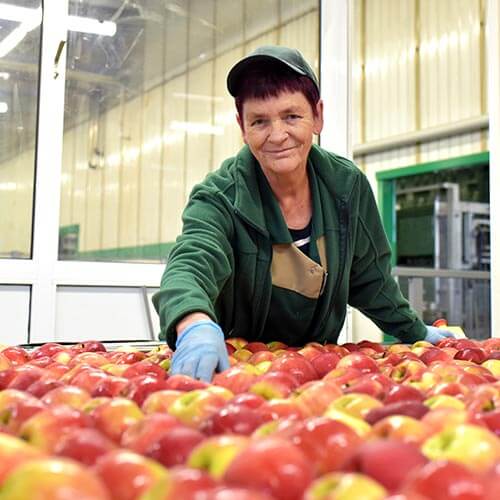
<point x="278" y="132"/>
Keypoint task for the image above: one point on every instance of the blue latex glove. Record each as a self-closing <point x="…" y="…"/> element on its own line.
<point x="434" y="334"/>
<point x="200" y="350"/>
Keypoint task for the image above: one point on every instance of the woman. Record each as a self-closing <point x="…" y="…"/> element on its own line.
<point x="282" y="237"/>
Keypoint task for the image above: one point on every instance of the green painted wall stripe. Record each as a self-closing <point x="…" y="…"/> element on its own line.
<point x="472" y="160"/>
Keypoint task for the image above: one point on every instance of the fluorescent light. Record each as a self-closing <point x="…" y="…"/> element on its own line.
<point x="90" y="25"/>
<point x="4" y="75"/>
<point x="4" y="107"/>
<point x="20" y="14"/>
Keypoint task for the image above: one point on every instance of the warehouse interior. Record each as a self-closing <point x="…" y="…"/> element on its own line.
<point x="106" y="128"/>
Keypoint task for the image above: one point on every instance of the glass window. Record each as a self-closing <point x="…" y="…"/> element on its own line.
<point x="147" y="113"/>
<point x="20" y="37"/>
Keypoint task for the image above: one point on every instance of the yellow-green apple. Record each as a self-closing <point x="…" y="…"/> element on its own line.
<point x="70" y="395"/>
<point x="427" y="380"/>
<point x="415" y="409"/>
<point x="160" y="401"/>
<point x="83" y="445"/>
<point x="223" y="392"/>
<point x="444" y="401"/>
<point x="139" y="436"/>
<point x="274" y="384"/>
<point x="345" y="486"/>
<point x="398" y="348"/>
<point x="114" y="369"/>
<point x="273" y="466"/>
<point x="242" y="354"/>
<point x="295" y="364"/>
<point x="402" y="392"/>
<point x="260" y="356"/>
<point x="184" y="383"/>
<point x="444" y="480"/>
<point x="232" y="419"/>
<point x="16" y="407"/>
<point x="13" y="453"/>
<point x="314" y="397"/>
<point x="478" y="370"/>
<point x="359" y="361"/>
<point x="493" y="366"/>
<point x="140" y="387"/>
<point x="53" y="479"/>
<point x="474" y="446"/>
<point x="93" y="403"/>
<point x="310" y="351"/>
<point x="44" y="429"/>
<point x="237" y="378"/>
<point x="110" y="386"/>
<point x="326" y="443"/>
<point x="236" y="342"/>
<point x="115" y="416"/>
<point x="276" y="345"/>
<point x="127" y="474"/>
<point x="16" y="355"/>
<point x="215" y="453"/>
<point x="182" y="483"/>
<point x="356" y="404"/>
<point x="194" y="406"/>
<point x="401" y="427"/>
<point x="362" y="428"/>
<point x="62" y="357"/>
<point x="371" y="459"/>
<point x="407" y="370"/>
<point x="174" y="446"/>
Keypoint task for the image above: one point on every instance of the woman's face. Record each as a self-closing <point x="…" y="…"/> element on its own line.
<point x="279" y="131"/>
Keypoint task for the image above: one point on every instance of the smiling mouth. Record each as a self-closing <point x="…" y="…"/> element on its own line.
<point x="280" y="151"/>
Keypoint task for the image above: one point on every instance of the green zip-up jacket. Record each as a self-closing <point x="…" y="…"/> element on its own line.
<point x="221" y="263"/>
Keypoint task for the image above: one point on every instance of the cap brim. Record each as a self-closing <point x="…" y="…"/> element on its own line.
<point x="234" y="76"/>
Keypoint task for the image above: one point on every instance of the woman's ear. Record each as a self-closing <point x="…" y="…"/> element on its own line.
<point x="318" y="118"/>
<point x="242" y="127"/>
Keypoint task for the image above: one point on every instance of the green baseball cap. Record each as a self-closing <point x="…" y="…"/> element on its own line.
<point x="291" y="58"/>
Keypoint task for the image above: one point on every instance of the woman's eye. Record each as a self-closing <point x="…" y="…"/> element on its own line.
<point x="257" y="123"/>
<point x="292" y="117"/>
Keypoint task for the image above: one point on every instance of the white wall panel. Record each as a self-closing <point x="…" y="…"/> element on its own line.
<point x="129" y="187"/>
<point x="100" y="313"/>
<point x="68" y="159"/>
<point x="80" y="173"/>
<point x="173" y="198"/>
<point x="111" y="179"/>
<point x="14" y="311"/>
<point x="151" y="159"/>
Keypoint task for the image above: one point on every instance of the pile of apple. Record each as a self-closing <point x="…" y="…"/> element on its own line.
<point x="356" y="421"/>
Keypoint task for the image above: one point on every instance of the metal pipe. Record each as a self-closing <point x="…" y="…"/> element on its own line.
<point x="429" y="272"/>
<point x="426" y="135"/>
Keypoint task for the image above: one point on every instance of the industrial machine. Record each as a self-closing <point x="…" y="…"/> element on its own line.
<point x="443" y="254"/>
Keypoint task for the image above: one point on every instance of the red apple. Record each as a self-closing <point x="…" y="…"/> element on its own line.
<point x="25" y="376"/>
<point x="127" y="474"/>
<point x="185" y="383"/>
<point x="175" y="446"/>
<point x="279" y="408"/>
<point x="247" y="399"/>
<point x="16" y="355"/>
<point x="415" y="409"/>
<point x="144" y="368"/>
<point x="400" y="392"/>
<point x="83" y="445"/>
<point x="109" y="386"/>
<point x="443" y="480"/>
<point x="314" y="397"/>
<point x="325" y="362"/>
<point x="228" y="493"/>
<point x="371" y="458"/>
<point x="91" y="346"/>
<point x="273" y="466"/>
<point x="476" y="355"/>
<point x="160" y="401"/>
<point x="67" y="394"/>
<point x="141" y="434"/>
<point x="402" y="428"/>
<point x="232" y="419"/>
<point x="42" y="386"/>
<point x="140" y="387"/>
<point x="326" y="443"/>
<point x="297" y="365"/>
<point x="360" y="361"/>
